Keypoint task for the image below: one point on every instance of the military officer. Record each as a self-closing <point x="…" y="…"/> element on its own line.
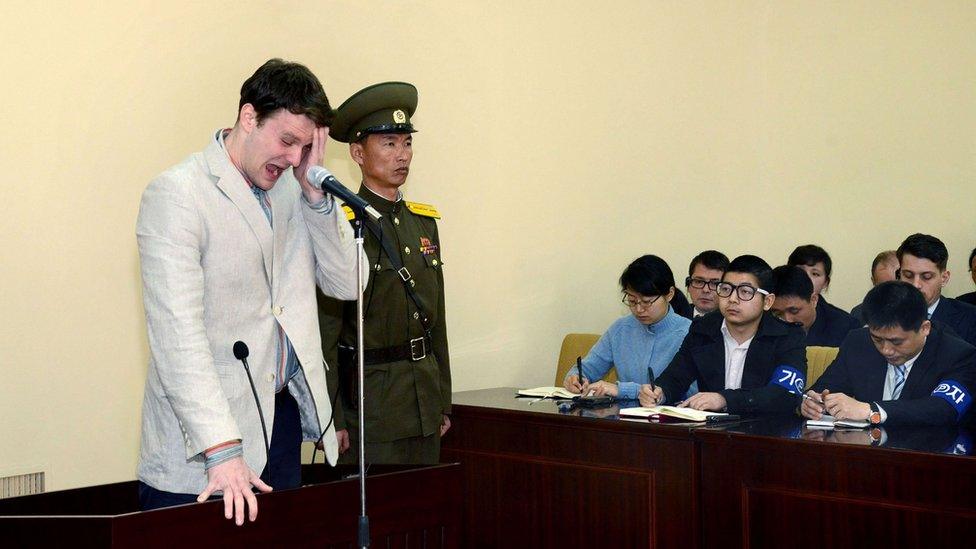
<point x="407" y="374"/>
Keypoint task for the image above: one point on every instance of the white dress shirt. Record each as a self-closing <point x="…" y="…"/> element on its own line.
<point x="735" y="358"/>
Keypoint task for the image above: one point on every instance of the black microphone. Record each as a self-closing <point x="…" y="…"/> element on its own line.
<point x="240" y="353"/>
<point x="323" y="179"/>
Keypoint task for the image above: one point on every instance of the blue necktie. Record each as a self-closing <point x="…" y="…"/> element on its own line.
<point x="900" y="376"/>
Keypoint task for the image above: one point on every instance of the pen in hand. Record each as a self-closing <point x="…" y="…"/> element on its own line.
<point x="650" y="379"/>
<point x="579" y="369"/>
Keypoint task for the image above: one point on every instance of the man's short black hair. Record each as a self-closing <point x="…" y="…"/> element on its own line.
<point x="755" y="266"/>
<point x="925" y="246"/>
<point x="792" y="281"/>
<point x="895" y="303"/>
<point x="711" y="259"/>
<point x="972" y="254"/>
<point x="809" y="255"/>
<point x="648" y="275"/>
<point x="279" y="84"/>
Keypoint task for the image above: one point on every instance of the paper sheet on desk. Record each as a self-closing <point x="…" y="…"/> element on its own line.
<point x="671" y="411"/>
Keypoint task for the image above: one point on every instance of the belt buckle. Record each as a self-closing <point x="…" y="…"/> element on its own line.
<point x="414" y="354"/>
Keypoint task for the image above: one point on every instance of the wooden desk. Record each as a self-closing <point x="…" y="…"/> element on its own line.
<point x="407" y="508"/>
<point x="761" y="489"/>
<point x="535" y="477"/>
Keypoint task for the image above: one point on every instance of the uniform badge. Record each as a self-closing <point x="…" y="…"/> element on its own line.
<point x="427" y="247"/>
<point x="399" y="116"/>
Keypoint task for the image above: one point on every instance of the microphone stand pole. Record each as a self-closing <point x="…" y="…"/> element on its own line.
<point x="363" y="536"/>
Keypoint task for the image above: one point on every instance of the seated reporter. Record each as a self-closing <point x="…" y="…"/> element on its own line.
<point x="743" y="358"/>
<point x="902" y="369"/>
<point x="647" y="338"/>
<point x="796" y="302"/>
<point x="971" y="296"/>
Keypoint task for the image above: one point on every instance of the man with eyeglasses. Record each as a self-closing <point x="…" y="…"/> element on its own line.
<point x="704" y="274"/>
<point x="745" y="360"/>
<point x="902" y="369"/>
<point x="923" y="259"/>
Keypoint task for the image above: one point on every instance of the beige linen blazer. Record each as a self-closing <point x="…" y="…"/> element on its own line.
<point x="214" y="272"/>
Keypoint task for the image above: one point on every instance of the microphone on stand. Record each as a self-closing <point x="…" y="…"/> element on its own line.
<point x="241" y="353"/>
<point x="323" y="179"/>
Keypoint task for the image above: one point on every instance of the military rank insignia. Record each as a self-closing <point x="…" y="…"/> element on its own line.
<point x="427" y="247"/>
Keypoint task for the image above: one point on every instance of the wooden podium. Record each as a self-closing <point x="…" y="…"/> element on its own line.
<point x="419" y="507"/>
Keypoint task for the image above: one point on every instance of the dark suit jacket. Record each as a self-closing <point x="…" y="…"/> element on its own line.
<point x="831" y="326"/>
<point x="701" y="358"/>
<point x="959" y="316"/>
<point x="859" y="371"/>
<point x="856" y="313"/>
<point x="969" y="298"/>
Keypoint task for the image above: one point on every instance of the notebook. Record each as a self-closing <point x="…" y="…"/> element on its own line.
<point x="546" y="392"/>
<point x="829" y="422"/>
<point x="686" y="414"/>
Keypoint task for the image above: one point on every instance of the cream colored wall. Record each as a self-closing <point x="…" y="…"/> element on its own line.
<point x="559" y="139"/>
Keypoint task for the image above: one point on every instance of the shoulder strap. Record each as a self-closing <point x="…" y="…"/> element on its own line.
<point x="402" y="273"/>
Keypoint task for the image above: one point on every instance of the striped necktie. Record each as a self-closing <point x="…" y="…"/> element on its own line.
<point x="900" y="377"/>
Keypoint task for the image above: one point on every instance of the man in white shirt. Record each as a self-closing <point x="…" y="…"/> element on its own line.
<point x="745" y="360"/>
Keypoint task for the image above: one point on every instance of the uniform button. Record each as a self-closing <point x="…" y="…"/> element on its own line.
<point x="434" y="262"/>
<point x="416" y="316"/>
<point x="270" y="378"/>
<point x="413" y="283"/>
<point x="276" y="310"/>
<point x="396" y="220"/>
<point x="377" y="267"/>
<point x="406" y="249"/>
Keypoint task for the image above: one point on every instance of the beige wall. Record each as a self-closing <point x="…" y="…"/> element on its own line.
<point x="559" y="139"/>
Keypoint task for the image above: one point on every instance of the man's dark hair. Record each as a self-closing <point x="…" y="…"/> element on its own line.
<point x="279" y="84"/>
<point x="755" y="266"/>
<point x="648" y="275"/>
<point x="925" y="246"/>
<point x="792" y="281"/>
<point x="895" y="303"/>
<point x="972" y="254"/>
<point x="711" y="259"/>
<point x="810" y="255"/>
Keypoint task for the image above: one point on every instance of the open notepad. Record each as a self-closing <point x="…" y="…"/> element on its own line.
<point x="829" y="422"/>
<point x="547" y="392"/>
<point x="686" y="414"/>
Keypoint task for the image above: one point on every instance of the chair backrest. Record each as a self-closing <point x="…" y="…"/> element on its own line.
<point x="575" y="345"/>
<point x="818" y="358"/>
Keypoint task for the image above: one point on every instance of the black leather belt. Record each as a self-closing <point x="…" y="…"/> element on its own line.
<point x="413" y="350"/>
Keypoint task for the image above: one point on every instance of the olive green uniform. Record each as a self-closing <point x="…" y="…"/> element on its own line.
<point x="404" y="399"/>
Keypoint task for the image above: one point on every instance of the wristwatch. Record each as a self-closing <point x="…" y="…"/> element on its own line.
<point x="875" y="417"/>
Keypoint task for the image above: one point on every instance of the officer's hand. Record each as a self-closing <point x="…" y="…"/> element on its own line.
<point x="650" y="397"/>
<point x="342" y="438"/>
<point x="601" y="388"/>
<point x="312" y="157"/>
<point x="445" y="424"/>
<point x="234" y="478"/>
<point x="812" y="408"/>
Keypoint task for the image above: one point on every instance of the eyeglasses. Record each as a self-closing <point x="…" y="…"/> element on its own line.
<point x="745" y="291"/>
<point x="700" y="283"/>
<point x="635" y="303"/>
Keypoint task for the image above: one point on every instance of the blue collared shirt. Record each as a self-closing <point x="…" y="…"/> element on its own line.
<point x="632" y="347"/>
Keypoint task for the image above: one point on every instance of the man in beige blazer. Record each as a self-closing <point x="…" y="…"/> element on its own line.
<point x="232" y="242"/>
